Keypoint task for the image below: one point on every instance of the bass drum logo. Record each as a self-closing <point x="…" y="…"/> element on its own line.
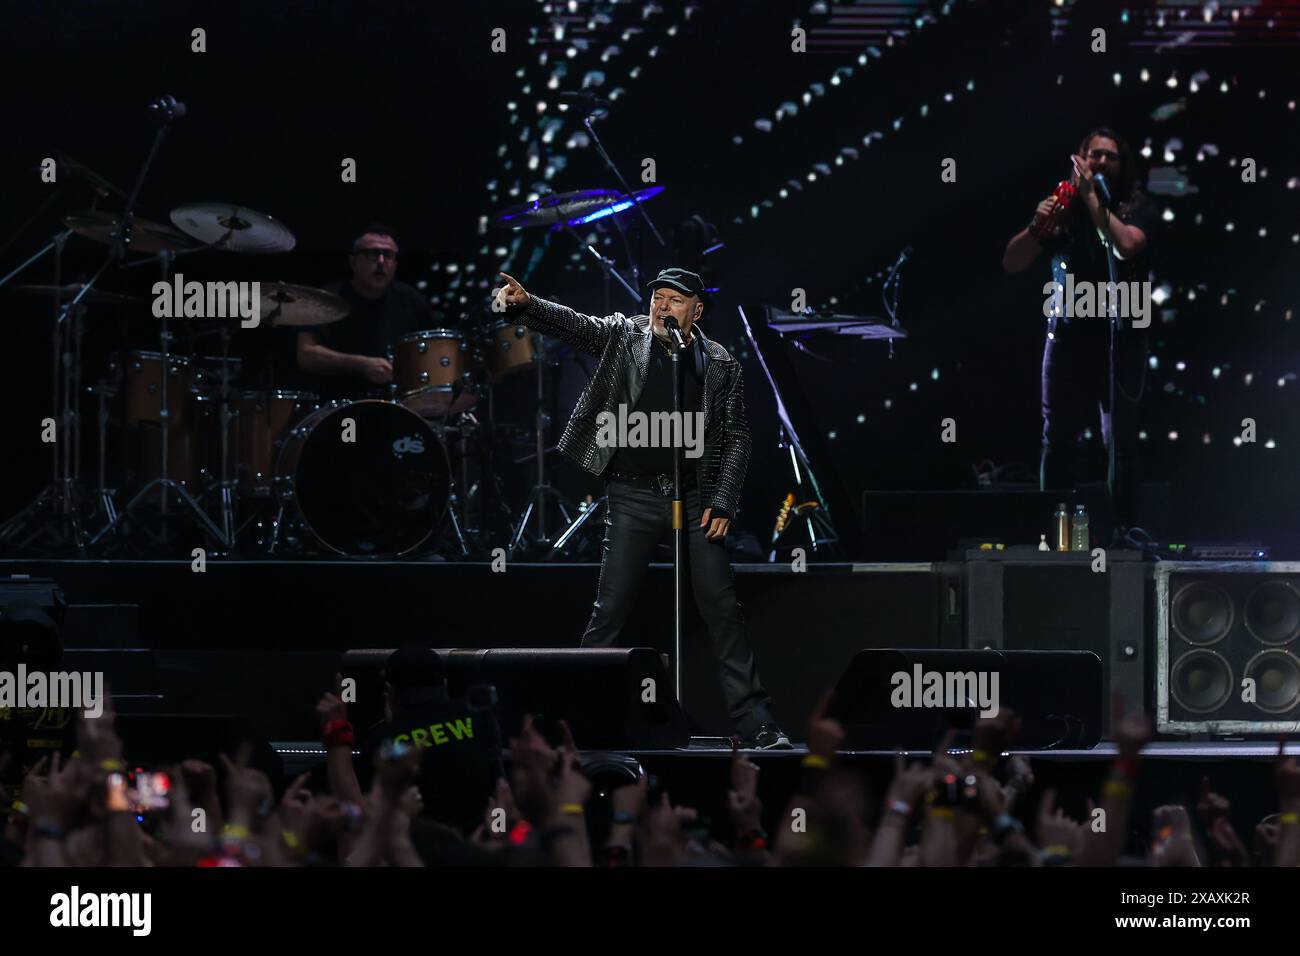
<point x="406" y="445"/>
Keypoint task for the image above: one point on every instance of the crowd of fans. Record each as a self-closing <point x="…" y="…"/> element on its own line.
<point x="967" y="808"/>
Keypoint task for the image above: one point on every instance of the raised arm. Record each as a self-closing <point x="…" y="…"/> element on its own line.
<point x="586" y="333"/>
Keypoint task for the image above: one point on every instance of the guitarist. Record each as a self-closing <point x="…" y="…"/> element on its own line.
<point x="1076" y="362"/>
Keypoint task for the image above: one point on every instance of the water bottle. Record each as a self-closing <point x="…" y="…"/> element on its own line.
<point x="1061" y="527"/>
<point x="1079" y="529"/>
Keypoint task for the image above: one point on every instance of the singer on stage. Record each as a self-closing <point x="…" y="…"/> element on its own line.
<point x="635" y="371"/>
<point x="1076" y="359"/>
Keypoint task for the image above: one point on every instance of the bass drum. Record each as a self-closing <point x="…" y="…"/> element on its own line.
<point x="365" y="478"/>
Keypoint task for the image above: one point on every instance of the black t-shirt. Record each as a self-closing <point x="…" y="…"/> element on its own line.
<point x="1079" y="252"/>
<point x="462" y="755"/>
<point x="371" y="328"/>
<point x="657" y="396"/>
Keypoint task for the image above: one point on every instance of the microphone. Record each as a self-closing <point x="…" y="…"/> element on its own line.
<point x="1103" y="189"/>
<point x="675" y="330"/>
<point x="169" y="105"/>
<point x="903" y="257"/>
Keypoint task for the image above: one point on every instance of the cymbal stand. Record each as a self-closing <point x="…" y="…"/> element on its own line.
<point x="58" y="500"/>
<point x="104" y="494"/>
<point x="225" y="416"/>
<point x="487" y="489"/>
<point x="164" y="482"/>
<point x="542" y="490"/>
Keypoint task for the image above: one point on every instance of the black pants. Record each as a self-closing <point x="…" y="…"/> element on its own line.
<point x="1076" y="395"/>
<point x="636" y="521"/>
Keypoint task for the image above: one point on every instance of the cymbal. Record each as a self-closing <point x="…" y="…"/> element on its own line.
<point x="146" y="236"/>
<point x="571" y="208"/>
<point x="233" y="228"/>
<point x="284" y="304"/>
<point x="67" y="292"/>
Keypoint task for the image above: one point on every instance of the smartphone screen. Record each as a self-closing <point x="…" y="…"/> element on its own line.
<point x="151" y="792"/>
<point x="117" y="799"/>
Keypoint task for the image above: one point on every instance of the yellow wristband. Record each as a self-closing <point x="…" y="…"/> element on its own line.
<point x="573" y="808"/>
<point x="234" y="831"/>
<point x="981" y="756"/>
<point x="816" y="762"/>
<point x="943" y="813"/>
<point x="1116" y="788"/>
<point x="1288" y="819"/>
<point x="112" y="765"/>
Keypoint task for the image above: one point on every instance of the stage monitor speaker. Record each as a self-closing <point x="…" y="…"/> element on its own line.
<point x="1227" y="646"/>
<point x="612" y="698"/>
<point x="889" y="699"/>
<point x="1025" y="599"/>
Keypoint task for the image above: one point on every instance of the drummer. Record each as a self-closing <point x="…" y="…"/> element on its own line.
<point x="350" y="356"/>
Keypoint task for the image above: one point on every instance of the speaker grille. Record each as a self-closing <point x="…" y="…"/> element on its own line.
<point x="1201" y="681"/>
<point x="1273" y="612"/>
<point x="1202" y="613"/>
<point x="1277" y="680"/>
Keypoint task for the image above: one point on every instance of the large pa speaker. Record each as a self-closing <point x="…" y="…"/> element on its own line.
<point x="890" y="698"/>
<point x="612" y="698"/>
<point x="1227" y="640"/>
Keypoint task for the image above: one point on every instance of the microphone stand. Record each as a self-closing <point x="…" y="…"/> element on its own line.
<point x="679" y="504"/>
<point x="1112" y="269"/>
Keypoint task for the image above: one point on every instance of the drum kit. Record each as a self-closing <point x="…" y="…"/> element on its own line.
<point x="265" y="471"/>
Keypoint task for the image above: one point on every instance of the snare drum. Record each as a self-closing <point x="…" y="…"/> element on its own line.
<point x="144" y="380"/>
<point x="384" y="490"/>
<point x="264" y="421"/>
<point x="512" y="349"/>
<point x="432" y="370"/>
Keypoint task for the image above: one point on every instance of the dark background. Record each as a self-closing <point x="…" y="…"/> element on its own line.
<point x="413" y="92"/>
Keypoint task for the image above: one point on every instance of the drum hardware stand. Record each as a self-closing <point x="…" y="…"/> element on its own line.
<point x="454" y="503"/>
<point x="165" y="483"/>
<point x="227" y="481"/>
<point x="120" y="246"/>
<point x="59" y="499"/>
<point x="104" y="494"/>
<point x="627" y="190"/>
<point x="489" y="456"/>
<point x="542" y="490"/>
<point x="587" y="513"/>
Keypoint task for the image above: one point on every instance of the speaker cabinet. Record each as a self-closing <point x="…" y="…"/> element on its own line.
<point x="1227" y="647"/>
<point x="1024" y="599"/>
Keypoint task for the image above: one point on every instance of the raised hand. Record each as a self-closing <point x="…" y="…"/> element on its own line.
<point x="330" y="707"/>
<point x="825" y="734"/>
<point x="1132" y="731"/>
<point x="512" y="295"/>
<point x="742" y="799"/>
<point x="910" y="783"/>
<point x="1057" y="829"/>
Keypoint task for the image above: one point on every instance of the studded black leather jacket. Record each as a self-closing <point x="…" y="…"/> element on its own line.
<point x="622" y="345"/>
